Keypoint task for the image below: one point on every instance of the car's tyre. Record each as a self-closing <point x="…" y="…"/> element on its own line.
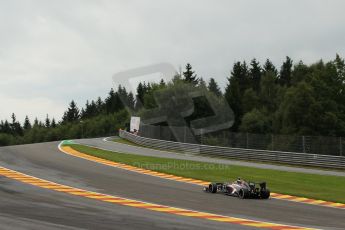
<point x="212" y="188"/>
<point x="265" y="194"/>
<point x="243" y="193"/>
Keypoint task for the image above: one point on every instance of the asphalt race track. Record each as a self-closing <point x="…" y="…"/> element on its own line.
<point x="24" y="206"/>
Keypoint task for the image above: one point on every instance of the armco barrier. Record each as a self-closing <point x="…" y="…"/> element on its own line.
<point x="304" y="159"/>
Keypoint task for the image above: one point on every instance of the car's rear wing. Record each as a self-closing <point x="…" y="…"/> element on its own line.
<point x="261" y="184"/>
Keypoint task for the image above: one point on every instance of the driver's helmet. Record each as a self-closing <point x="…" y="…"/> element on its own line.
<point x="239" y="181"/>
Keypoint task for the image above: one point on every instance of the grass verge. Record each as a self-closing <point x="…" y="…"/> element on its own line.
<point x="124" y="141"/>
<point x="324" y="187"/>
<point x="127" y="142"/>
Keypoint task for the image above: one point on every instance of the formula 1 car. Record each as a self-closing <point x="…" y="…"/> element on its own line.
<point x="241" y="189"/>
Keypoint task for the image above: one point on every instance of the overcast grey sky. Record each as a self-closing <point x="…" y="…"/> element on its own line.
<point x="54" y="51"/>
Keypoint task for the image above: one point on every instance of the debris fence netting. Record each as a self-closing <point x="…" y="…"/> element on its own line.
<point x="288" y="143"/>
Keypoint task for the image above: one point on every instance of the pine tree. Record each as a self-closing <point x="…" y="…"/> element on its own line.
<point x="240" y="74"/>
<point x="255" y="75"/>
<point x="269" y="67"/>
<point x="47" y="122"/>
<point x="140" y="92"/>
<point x="84" y="113"/>
<point x="5" y="127"/>
<point x="285" y="73"/>
<point x="87" y="105"/>
<point x="238" y="83"/>
<point x="115" y="100"/>
<point x="131" y="100"/>
<point x="233" y="97"/>
<point x="92" y="111"/>
<point x="99" y="105"/>
<point x="214" y="88"/>
<point x="122" y="99"/>
<point x="189" y="75"/>
<point x="140" y="96"/>
<point x="202" y="83"/>
<point x="89" y="111"/>
<point x="16" y="128"/>
<point x="27" y="124"/>
<point x="300" y="73"/>
<point x="53" y="125"/>
<point x="36" y="123"/>
<point x="14" y="119"/>
<point x="72" y="114"/>
<point x="269" y="98"/>
<point x="340" y="66"/>
<point x="109" y="102"/>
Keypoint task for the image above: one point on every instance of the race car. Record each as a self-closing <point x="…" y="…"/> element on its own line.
<point x="240" y="188"/>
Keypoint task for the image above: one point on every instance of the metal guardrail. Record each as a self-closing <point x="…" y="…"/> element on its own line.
<point x="304" y="159"/>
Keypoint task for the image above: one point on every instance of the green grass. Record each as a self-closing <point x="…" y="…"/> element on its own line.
<point x="330" y="188"/>
<point x="124" y="141"/>
<point x="127" y="142"/>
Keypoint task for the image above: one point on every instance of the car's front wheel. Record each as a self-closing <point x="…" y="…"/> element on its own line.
<point x="243" y="193"/>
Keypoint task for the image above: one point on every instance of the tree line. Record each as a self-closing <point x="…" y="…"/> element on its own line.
<point x="97" y="118"/>
<point x="296" y="99"/>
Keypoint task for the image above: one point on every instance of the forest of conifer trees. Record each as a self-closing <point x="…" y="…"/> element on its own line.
<point x="293" y="99"/>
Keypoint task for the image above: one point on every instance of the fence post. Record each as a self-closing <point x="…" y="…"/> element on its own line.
<point x="226" y="140"/>
<point x="247" y="141"/>
<point x="200" y="142"/>
<point x="184" y="135"/>
<point x="272" y="141"/>
<point x="341" y="146"/>
<point x="168" y="130"/>
<point x="158" y="132"/>
<point x="303" y="143"/>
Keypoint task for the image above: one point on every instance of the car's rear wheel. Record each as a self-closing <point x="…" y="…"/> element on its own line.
<point x="265" y="194"/>
<point x="212" y="188"/>
<point x="243" y="193"/>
